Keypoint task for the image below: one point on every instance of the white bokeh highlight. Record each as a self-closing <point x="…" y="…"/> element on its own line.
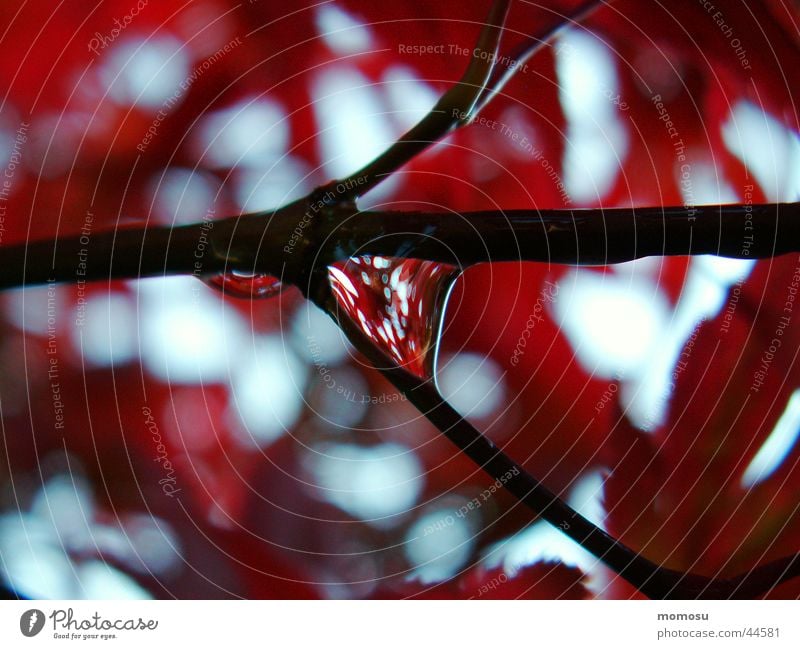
<point x="613" y="324"/>
<point x="342" y="33"/>
<point x="281" y="181"/>
<point x="145" y="73"/>
<point x="373" y="483"/>
<point x="351" y="116"/>
<point x="267" y="387"/>
<point x="108" y="333"/>
<point x="438" y="555"/>
<point x="769" y="150"/>
<point x="54" y="549"/>
<point x="777" y="447"/>
<point x="597" y="139"/>
<point x="186" y="332"/>
<point x="472" y="384"/>
<point x="183" y="196"/>
<point x="250" y="133"/>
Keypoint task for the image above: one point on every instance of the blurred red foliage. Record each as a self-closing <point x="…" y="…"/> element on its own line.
<point x="250" y="520"/>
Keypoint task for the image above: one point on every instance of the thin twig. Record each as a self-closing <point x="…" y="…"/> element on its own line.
<point x="649" y="578"/>
<point x="503" y="74"/>
<point x="482" y="81"/>
<point x="454" y="108"/>
<point x="260" y="243"/>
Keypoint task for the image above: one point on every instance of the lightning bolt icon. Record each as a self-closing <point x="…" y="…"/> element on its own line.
<point x="32" y="620"/>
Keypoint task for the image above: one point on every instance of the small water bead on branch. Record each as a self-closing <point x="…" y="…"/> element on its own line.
<point x="246" y="285"/>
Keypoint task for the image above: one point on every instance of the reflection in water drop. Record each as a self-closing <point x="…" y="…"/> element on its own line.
<point x="398" y="303"/>
<point x="246" y="285"/>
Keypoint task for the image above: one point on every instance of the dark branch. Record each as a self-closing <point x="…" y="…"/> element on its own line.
<point x="480" y="83"/>
<point x="453" y="109"/>
<point x="258" y="242"/>
<point x="652" y="580"/>
<point x="580" y="237"/>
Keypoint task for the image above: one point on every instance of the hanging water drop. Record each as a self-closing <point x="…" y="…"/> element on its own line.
<point x="398" y="303"/>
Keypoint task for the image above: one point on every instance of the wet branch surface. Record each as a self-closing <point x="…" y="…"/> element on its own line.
<point x="257" y="242"/>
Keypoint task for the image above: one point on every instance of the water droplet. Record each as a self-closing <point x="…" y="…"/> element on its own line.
<point x="398" y="303"/>
<point x="246" y="285"/>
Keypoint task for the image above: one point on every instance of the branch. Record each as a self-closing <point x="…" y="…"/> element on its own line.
<point x="258" y="242"/>
<point x="480" y="83"/>
<point x="579" y="237"/>
<point x="652" y="580"/>
<point x="250" y="243"/>
<point x="453" y="109"/>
